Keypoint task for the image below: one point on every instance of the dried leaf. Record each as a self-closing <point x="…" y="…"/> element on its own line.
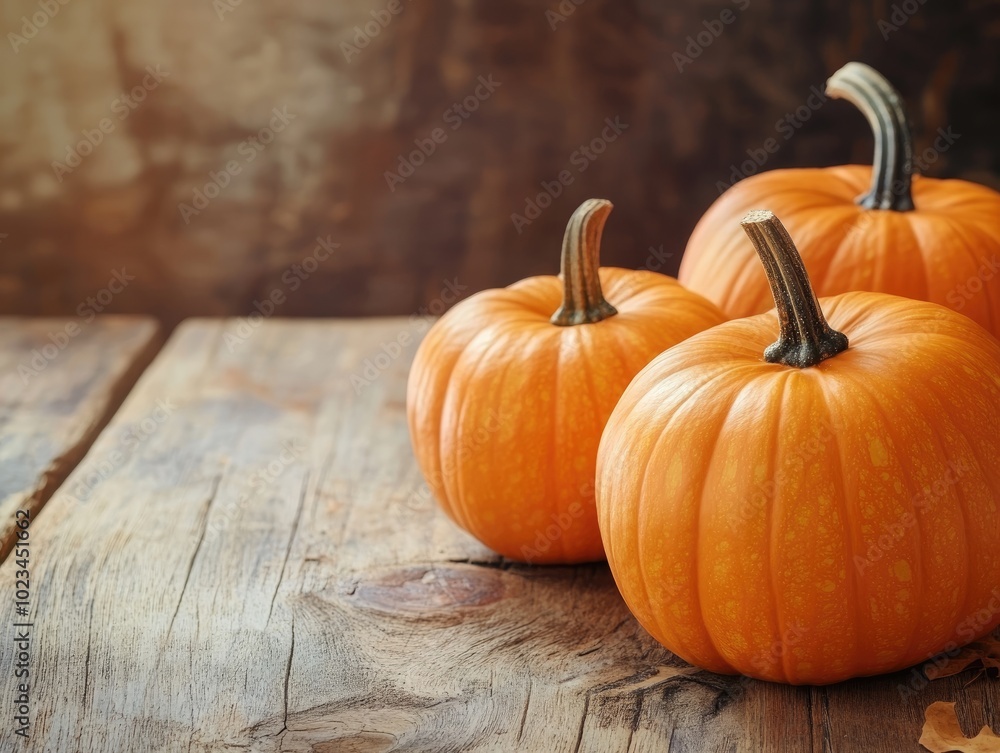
<point x="942" y="733"/>
<point x="984" y="653"/>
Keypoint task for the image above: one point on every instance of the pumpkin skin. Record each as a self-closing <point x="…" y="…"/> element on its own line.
<point x="506" y="408"/>
<point x="808" y="525"/>
<point x="945" y="250"/>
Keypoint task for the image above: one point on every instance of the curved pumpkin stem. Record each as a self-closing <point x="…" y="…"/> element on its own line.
<point x="806" y="338"/>
<point x="583" y="299"/>
<point x="892" y="172"/>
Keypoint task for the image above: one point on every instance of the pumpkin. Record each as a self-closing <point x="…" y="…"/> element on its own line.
<point x="827" y="511"/>
<point x="510" y="389"/>
<point x="908" y="235"/>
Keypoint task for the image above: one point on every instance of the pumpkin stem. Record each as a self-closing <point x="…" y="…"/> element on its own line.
<point x="892" y="171"/>
<point x="583" y="299"/>
<point x="805" y="339"/>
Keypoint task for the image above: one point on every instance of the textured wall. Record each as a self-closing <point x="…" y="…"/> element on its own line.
<point x="222" y="69"/>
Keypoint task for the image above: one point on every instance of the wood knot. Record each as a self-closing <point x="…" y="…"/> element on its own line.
<point x="432" y="589"/>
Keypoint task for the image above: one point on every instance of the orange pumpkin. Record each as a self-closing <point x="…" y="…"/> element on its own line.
<point x="825" y="512"/>
<point x="510" y="390"/>
<point x="934" y="240"/>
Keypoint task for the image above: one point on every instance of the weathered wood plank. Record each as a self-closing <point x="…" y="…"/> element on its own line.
<point x="262" y="571"/>
<point x="60" y="382"/>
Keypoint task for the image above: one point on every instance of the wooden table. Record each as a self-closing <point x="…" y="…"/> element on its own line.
<point x="245" y="558"/>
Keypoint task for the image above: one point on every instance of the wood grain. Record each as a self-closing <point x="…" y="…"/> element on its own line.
<point x="264" y="572"/>
<point x="60" y="382"/>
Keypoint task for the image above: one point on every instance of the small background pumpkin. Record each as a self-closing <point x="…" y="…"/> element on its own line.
<point x="510" y="390"/>
<point x="859" y="228"/>
<point x="830" y="512"/>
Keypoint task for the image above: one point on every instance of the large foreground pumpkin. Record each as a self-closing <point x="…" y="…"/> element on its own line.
<point x="879" y="229"/>
<point x="828" y="510"/>
<point x="510" y="390"/>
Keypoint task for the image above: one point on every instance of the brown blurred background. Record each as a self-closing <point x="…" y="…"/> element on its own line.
<point x="222" y="68"/>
